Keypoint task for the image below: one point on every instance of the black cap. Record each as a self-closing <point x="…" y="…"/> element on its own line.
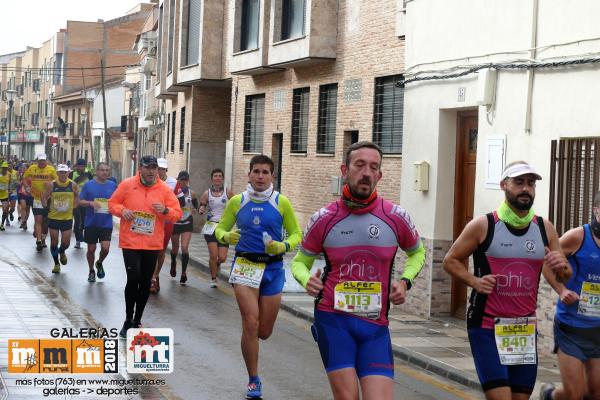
<point x="81" y="162"/>
<point x="147" y="161"/>
<point x="183" y="175"/>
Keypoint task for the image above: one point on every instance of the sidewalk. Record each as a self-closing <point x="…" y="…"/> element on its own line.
<point x="437" y="345"/>
<point x="31" y="307"/>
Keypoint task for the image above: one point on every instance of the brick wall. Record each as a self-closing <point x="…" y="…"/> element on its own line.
<point x="367" y="48"/>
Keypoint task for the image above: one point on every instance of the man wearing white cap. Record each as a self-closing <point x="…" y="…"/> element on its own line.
<point x="511" y="248"/>
<point x="163" y="167"/>
<point x="34" y="181"/>
<point x="61" y="197"/>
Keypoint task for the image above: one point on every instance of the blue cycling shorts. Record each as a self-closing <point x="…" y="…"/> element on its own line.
<point x="492" y="374"/>
<point x="346" y="341"/>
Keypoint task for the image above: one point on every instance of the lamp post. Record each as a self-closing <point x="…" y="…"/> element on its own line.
<point x="83" y="120"/>
<point x="10" y="96"/>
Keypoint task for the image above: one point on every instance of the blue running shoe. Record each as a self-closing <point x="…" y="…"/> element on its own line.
<point x="254" y="390"/>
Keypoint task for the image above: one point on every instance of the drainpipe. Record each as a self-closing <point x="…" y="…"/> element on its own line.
<point x="530" y="72"/>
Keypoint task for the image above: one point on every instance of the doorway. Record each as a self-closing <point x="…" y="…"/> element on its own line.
<point x="464" y="193"/>
<point x="276" y="156"/>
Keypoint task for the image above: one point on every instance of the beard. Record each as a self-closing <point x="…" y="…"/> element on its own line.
<point x="358" y="194"/>
<point x="514" y="201"/>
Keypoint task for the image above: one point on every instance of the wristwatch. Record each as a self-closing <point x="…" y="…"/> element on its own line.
<point x="165" y="211"/>
<point x="407" y="281"/>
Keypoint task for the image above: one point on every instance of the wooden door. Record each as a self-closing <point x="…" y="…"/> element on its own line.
<point x="464" y="193"/>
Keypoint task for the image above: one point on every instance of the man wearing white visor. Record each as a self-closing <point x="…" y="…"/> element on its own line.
<point x="511" y="248"/>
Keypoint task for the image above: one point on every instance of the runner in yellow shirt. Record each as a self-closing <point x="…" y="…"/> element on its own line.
<point x="60" y="198"/>
<point x="4" y="184"/>
<point x="35" y="179"/>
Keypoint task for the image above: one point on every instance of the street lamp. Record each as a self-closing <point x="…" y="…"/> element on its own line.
<point x="83" y="120"/>
<point x="10" y="97"/>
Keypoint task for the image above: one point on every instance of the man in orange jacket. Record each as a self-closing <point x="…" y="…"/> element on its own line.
<point x="144" y="203"/>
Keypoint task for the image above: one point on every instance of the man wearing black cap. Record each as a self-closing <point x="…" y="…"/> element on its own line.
<point x="80" y="176"/>
<point x="144" y="203"/>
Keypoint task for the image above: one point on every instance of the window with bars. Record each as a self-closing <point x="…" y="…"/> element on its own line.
<point x="300" y="120"/>
<point x="168" y="130"/>
<point x="250" y="24"/>
<point x="171" y="36"/>
<point x="574" y="179"/>
<point x="327" y="118"/>
<point x="173" y="119"/>
<point x="182" y="130"/>
<point x="388" y="114"/>
<point x="254" y="122"/>
<point x="293" y="14"/>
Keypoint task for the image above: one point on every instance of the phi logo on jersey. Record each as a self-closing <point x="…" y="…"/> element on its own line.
<point x="373" y="231"/>
<point x="530" y="246"/>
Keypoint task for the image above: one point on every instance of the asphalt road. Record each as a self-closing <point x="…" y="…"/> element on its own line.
<point x="206" y="325"/>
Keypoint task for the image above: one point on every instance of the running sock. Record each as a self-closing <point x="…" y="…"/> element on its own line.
<point x="62" y="248"/>
<point x="185" y="258"/>
<point x="253" y="379"/>
<point x="173" y="260"/>
<point x="54" y="252"/>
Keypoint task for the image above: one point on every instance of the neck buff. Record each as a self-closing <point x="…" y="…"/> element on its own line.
<point x="216" y="189"/>
<point x="146" y="183"/>
<point x="508" y="216"/>
<point x="353" y="203"/>
<point x="595" y="225"/>
<point x="259" y="196"/>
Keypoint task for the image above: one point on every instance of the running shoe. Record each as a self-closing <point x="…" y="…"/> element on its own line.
<point x="56" y="269"/>
<point x="44" y="245"/>
<point x="77" y="245"/>
<point x="546" y="391"/>
<point x="254" y="390"/>
<point x="63" y="258"/>
<point x="213" y="283"/>
<point x="91" y="277"/>
<point x="126" y="325"/>
<point x="100" y="268"/>
<point x="7" y="223"/>
<point x="173" y="270"/>
<point x="2" y="228"/>
<point x="136" y="324"/>
<point x="153" y="289"/>
<point x="38" y="245"/>
<point x="183" y="278"/>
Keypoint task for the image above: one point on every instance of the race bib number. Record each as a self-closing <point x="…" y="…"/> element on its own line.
<point x="247" y="273"/>
<point x="62" y="205"/>
<point x="589" y="299"/>
<point x="37" y="203"/>
<point x="358" y="297"/>
<point x="209" y="228"/>
<point x="103" y="209"/>
<point x="143" y="223"/>
<point x="515" y="340"/>
<point x="186" y="213"/>
<point x="3" y="186"/>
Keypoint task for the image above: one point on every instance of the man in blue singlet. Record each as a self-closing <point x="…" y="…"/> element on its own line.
<point x="577" y="321"/>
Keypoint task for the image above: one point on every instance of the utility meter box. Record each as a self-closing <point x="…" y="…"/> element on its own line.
<point x="421" y="176"/>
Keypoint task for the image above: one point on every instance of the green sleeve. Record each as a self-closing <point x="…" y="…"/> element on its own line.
<point x="229" y="217"/>
<point x="414" y="262"/>
<point x="290" y="223"/>
<point x="301" y="265"/>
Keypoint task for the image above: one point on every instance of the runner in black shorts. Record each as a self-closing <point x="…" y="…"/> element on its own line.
<point x="213" y="203"/>
<point x="184" y="227"/>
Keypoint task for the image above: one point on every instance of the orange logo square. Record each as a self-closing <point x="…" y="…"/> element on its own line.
<point x="88" y="356"/>
<point x="23" y="356"/>
<point x="55" y="356"/>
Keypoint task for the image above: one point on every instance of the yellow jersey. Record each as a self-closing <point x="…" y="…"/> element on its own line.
<point x="38" y="178"/>
<point x="62" y="200"/>
<point x="14" y="182"/>
<point x="4" y="182"/>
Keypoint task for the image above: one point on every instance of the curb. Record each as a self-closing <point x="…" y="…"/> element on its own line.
<point x="405" y="354"/>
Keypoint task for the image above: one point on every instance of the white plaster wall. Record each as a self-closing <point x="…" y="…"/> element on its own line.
<point x="115" y="97"/>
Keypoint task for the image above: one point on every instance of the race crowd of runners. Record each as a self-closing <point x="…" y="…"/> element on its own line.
<point x="358" y="235"/>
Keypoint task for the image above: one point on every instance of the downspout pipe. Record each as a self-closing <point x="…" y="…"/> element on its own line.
<point x="530" y="71"/>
